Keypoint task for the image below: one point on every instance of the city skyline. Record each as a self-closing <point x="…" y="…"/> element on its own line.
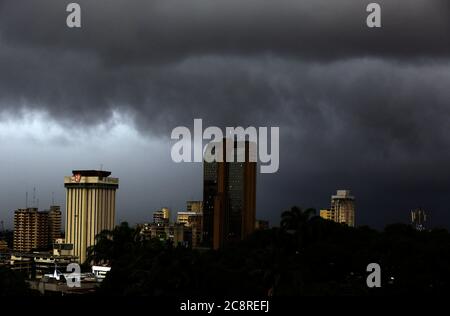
<point x="149" y="212"/>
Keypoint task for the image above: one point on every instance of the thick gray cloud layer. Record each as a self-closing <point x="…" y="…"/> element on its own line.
<point x="366" y="109"/>
<point x="161" y="30"/>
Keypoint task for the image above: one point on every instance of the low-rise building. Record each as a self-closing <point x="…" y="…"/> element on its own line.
<point x="193" y="222"/>
<point x="4" y="246"/>
<point x="176" y="233"/>
<point x="261" y="224"/>
<point x="162" y="216"/>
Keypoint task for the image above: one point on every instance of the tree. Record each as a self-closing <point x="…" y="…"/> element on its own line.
<point x="295" y="221"/>
<point x="296" y="218"/>
<point x="113" y="244"/>
<point x="12" y="283"/>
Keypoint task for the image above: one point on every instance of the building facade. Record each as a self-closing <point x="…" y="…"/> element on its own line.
<point x="175" y="233"/>
<point x="90" y="208"/>
<point x="193" y="221"/>
<point x="229" y="194"/>
<point x="419" y="219"/>
<point x="194" y="206"/>
<point x="54" y="223"/>
<point x="186" y="218"/>
<point x="162" y="216"/>
<point x="30" y="230"/>
<point x="342" y="208"/>
<point x="327" y="214"/>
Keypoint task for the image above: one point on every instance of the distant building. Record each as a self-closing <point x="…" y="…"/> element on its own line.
<point x="326" y="214"/>
<point x="30" y="230"/>
<point x="3" y="246"/>
<point x="185" y="217"/>
<point x="342" y="208"/>
<point x="419" y="219"/>
<point x="261" y="225"/>
<point x="193" y="221"/>
<point x="229" y="193"/>
<point x="60" y="248"/>
<point x="90" y="208"/>
<point x="196" y="222"/>
<point x="162" y="216"/>
<point x="100" y="272"/>
<point x="171" y="232"/>
<point x="194" y="206"/>
<point x="38" y="264"/>
<point x="54" y="223"/>
<point x="8" y="237"/>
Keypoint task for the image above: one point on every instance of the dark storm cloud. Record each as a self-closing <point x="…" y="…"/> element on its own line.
<point x="124" y="31"/>
<point x="145" y="57"/>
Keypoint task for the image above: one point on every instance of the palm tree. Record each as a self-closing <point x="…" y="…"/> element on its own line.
<point x="110" y="245"/>
<point x="295" y="222"/>
<point x="295" y="219"/>
<point x="12" y="283"/>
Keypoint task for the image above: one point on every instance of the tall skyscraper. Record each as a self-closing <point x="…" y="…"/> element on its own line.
<point x="90" y="208"/>
<point x="30" y="230"/>
<point x="419" y="219"/>
<point x="229" y="195"/>
<point x="342" y="208"/>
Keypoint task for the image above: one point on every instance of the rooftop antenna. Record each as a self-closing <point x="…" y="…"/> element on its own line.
<point x="101" y="167"/>
<point x="26" y="199"/>
<point x="53" y="198"/>
<point x="2" y="226"/>
<point x="34" y="196"/>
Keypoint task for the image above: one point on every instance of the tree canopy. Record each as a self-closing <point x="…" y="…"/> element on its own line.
<point x="306" y="255"/>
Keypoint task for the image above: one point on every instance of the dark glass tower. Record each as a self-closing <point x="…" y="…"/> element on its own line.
<point x="229" y="198"/>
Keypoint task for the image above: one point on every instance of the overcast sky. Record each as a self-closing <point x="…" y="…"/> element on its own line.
<point x="358" y="108"/>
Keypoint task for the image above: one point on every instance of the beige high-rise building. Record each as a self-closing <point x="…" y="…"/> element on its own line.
<point x="342" y="208"/>
<point x="30" y="230"/>
<point x="90" y="208"/>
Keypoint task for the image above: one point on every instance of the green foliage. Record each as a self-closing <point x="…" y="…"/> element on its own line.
<point x="305" y="256"/>
<point x="12" y="283"/>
